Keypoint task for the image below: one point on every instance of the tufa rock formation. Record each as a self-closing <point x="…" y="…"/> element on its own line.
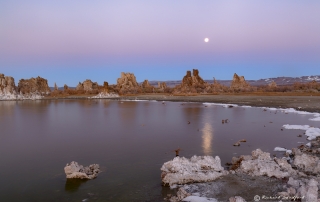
<point x="87" y="86"/>
<point x="192" y="81"/>
<point x="7" y="85"/>
<point x="181" y="170"/>
<point x="127" y="80"/>
<point x="192" y="84"/>
<point x="162" y="86"/>
<point x="187" y="80"/>
<point x="79" y="87"/>
<point x="65" y="87"/>
<point x="146" y="87"/>
<point x="105" y="87"/>
<point x="216" y="87"/>
<point x="146" y="84"/>
<point x="55" y="87"/>
<point x="127" y="84"/>
<point x="196" y="79"/>
<point x="33" y="85"/>
<point x="74" y="170"/>
<point x="239" y="83"/>
<point x="8" y="90"/>
<point x="260" y="163"/>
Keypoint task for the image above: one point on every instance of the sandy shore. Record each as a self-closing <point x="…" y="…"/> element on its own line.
<point x="306" y="103"/>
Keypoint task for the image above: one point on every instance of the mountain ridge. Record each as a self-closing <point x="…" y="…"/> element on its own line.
<point x="280" y="81"/>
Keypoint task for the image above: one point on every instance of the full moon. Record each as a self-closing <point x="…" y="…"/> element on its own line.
<point x="206" y="40"/>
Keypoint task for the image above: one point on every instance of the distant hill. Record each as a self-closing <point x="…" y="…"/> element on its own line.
<point x="279" y="80"/>
<point x="61" y="88"/>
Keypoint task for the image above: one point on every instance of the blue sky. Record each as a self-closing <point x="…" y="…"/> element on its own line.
<point x="70" y="41"/>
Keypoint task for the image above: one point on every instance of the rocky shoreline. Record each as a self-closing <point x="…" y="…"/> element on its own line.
<point x="251" y="177"/>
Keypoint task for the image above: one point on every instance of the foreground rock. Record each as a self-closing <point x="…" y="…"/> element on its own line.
<point x="293" y="178"/>
<point x="302" y="172"/>
<point x="260" y="163"/>
<point x="236" y="199"/>
<point x="300" y="189"/>
<point x="232" y="186"/>
<point x="307" y="163"/>
<point x="74" y="170"/>
<point x="181" y="170"/>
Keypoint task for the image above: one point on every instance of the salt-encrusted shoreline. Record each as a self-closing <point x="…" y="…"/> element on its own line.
<point x="301" y="103"/>
<point x="300" y="169"/>
<point x="297" y="175"/>
<point x="13" y="97"/>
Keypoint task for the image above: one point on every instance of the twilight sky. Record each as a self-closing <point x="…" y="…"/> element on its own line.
<point x="70" y="41"/>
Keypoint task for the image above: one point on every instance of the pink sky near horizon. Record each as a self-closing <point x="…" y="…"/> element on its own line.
<point x="132" y="33"/>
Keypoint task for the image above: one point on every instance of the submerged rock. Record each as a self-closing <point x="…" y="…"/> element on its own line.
<point x="236" y="144"/>
<point x="74" y="170"/>
<point x="181" y="194"/>
<point x="181" y="170"/>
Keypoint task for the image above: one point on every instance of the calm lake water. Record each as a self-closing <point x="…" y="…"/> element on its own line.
<point x="130" y="140"/>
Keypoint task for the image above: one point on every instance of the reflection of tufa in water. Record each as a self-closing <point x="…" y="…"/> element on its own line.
<point x="72" y="185"/>
<point x="225" y="121"/>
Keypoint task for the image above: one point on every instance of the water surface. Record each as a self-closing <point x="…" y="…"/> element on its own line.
<point x="129" y="139"/>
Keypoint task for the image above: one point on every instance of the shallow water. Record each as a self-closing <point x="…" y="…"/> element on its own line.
<point x="130" y="140"/>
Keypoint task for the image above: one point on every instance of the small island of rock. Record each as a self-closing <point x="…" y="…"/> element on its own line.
<point x="74" y="170"/>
